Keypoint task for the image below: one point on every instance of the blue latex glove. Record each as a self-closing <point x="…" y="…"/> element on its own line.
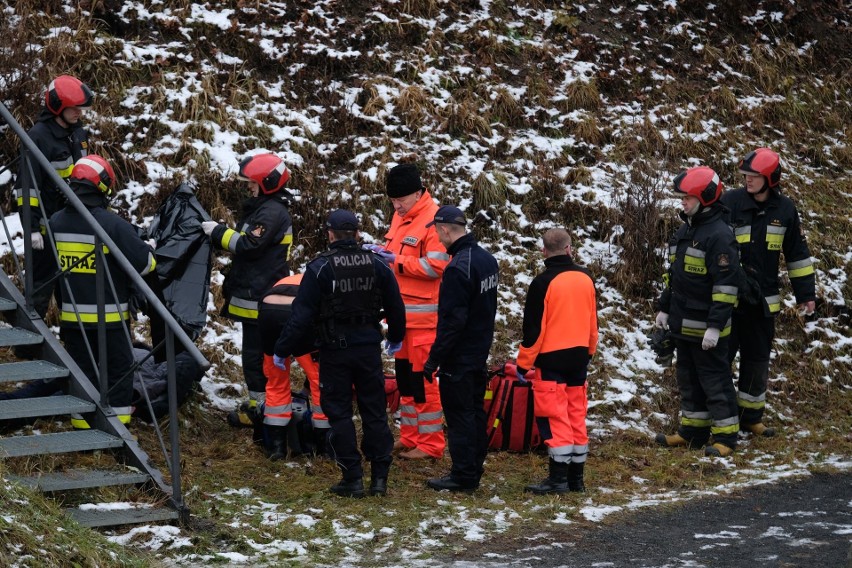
<point x="522" y="376"/>
<point x="384" y="253"/>
<point x="392" y="347"/>
<point x="281" y="362"/>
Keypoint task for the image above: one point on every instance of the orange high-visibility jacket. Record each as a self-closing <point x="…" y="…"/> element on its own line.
<point x="560" y="314"/>
<point x="420" y="262"/>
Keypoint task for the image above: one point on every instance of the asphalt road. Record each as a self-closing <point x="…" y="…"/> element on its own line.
<point x="804" y="522"/>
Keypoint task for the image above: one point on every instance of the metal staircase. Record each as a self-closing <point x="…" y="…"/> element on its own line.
<point x="132" y="467"/>
<point x="73" y="472"/>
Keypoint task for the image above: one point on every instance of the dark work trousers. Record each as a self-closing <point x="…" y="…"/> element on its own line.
<point x="253" y="360"/>
<point x="463" y="397"/>
<point x="44" y="268"/>
<point x="358" y="366"/>
<point x="708" y="401"/>
<point x="119" y="361"/>
<point x="751" y="334"/>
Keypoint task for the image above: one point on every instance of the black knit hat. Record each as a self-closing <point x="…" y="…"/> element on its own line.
<point x="403" y="179"/>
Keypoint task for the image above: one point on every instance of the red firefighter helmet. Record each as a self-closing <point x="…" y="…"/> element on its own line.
<point x="268" y="170"/>
<point x="763" y="162"/>
<point x="701" y="182"/>
<point x="95" y="170"/>
<point x="67" y="91"/>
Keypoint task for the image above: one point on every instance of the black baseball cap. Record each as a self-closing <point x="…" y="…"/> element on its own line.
<point x="449" y="214"/>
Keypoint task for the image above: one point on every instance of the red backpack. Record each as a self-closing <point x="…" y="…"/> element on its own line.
<point x="510" y="418"/>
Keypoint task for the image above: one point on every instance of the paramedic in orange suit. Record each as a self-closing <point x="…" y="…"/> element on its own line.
<point x="418" y="260"/>
<point x="560" y="334"/>
<point x="275" y="310"/>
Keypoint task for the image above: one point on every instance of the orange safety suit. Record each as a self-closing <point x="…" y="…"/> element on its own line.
<point x="279" y="398"/>
<point x="420" y="261"/>
<point x="560" y="334"/>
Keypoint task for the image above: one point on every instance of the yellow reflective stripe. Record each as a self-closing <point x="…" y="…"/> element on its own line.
<point x="110" y="317"/>
<point x="696" y="422"/>
<point x="152" y="264"/>
<point x="749" y="404"/>
<point x="65" y="172"/>
<point x="242" y="308"/>
<point x="800" y="268"/>
<point x="775" y="237"/>
<point x="774" y="303"/>
<point x="33" y="201"/>
<point x="489" y="394"/>
<point x="229" y="239"/>
<point x="288" y="239"/>
<point x="726" y="298"/>
<point x="732" y="429"/>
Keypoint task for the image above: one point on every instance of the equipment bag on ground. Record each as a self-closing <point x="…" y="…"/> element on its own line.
<point x="510" y="418"/>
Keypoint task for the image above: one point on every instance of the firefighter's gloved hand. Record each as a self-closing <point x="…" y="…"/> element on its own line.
<point x="392" y="347"/>
<point x="208" y="226"/>
<point x="37" y="241"/>
<point x="711" y="338"/>
<point x="280" y="362"/>
<point x="809" y="306"/>
<point x="662" y="320"/>
<point x="429" y="369"/>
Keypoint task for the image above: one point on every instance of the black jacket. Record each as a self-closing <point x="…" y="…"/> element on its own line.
<point x="467" y="306"/>
<point x="763" y="232"/>
<point x="62" y="147"/>
<point x="260" y="248"/>
<point x="703" y="276"/>
<point x="317" y="288"/>
<point x="75" y="241"/>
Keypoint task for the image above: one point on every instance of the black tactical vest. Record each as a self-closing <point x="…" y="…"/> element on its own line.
<point x="355" y="300"/>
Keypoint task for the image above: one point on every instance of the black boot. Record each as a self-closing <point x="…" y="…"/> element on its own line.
<point x="349" y="488"/>
<point x="379" y="486"/>
<point x="321" y="441"/>
<point x="276" y="442"/>
<point x="555" y="482"/>
<point x="575" y="477"/>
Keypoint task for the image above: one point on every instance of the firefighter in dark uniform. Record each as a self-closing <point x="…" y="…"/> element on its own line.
<point x="765" y="224"/>
<point x="260" y="248"/>
<point x="93" y="181"/>
<point x="60" y="136"/>
<point x="696" y="305"/>
<point x="467" y="306"/>
<point x="342" y="297"/>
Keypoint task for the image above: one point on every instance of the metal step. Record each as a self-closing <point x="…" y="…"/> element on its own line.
<point x="60" y="443"/>
<point x="44" y="406"/>
<point x="112" y="517"/>
<point x="10" y="336"/>
<point x="7" y="305"/>
<point x="80" y="479"/>
<point x="30" y="371"/>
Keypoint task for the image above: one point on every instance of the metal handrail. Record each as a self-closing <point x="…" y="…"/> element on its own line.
<point x="173" y="328"/>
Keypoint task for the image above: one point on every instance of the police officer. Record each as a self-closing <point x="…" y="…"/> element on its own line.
<point x="696" y="305"/>
<point x="766" y="224"/>
<point x="560" y="336"/>
<point x="343" y="295"/>
<point x="467" y="306"/>
<point x="60" y="136"/>
<point x="260" y="246"/>
<point x="93" y="181"/>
